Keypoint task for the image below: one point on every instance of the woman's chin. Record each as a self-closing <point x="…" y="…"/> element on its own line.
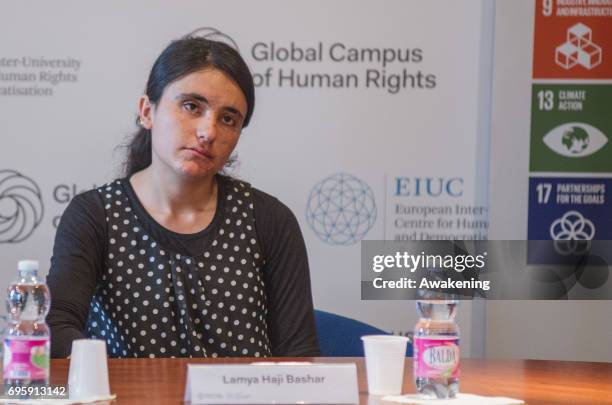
<point x="196" y="171"/>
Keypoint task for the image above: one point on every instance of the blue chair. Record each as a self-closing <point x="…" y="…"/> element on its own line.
<point x="340" y="336"/>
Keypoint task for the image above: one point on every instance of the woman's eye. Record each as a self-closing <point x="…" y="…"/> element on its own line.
<point x="190" y="106"/>
<point x="229" y="120"/>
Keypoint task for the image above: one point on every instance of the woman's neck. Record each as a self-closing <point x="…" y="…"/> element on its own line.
<point x="173" y="195"/>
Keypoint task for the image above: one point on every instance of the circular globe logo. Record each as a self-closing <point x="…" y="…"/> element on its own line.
<point x="21" y="206"/>
<point x="341" y="209"/>
<point x="214" y="35"/>
<point x="576" y="140"/>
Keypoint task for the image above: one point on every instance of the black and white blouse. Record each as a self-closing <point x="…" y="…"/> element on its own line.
<point x="240" y="287"/>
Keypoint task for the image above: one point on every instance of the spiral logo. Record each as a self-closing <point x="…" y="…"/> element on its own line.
<point x="214" y="35"/>
<point x="572" y="233"/>
<point x="21" y="206"/>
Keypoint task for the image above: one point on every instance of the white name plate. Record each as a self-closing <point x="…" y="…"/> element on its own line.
<point x="272" y="383"/>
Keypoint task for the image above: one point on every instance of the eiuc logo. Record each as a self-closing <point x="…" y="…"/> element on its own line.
<point x="575" y="140"/>
<point x="21" y="206"/>
<point x="341" y="209"/>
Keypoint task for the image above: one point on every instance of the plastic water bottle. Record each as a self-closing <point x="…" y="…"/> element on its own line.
<point x="436" y="346"/>
<point x="27" y="339"/>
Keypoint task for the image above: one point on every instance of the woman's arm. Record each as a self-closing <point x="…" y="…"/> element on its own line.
<point x="78" y="256"/>
<point x="291" y="323"/>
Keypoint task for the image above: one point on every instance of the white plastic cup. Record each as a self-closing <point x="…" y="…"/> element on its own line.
<point x="384" y="357"/>
<point x="88" y="375"/>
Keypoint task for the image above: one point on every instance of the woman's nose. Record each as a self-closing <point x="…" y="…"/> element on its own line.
<point x="206" y="130"/>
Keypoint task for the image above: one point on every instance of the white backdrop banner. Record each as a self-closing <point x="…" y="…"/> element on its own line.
<point x="368" y="122"/>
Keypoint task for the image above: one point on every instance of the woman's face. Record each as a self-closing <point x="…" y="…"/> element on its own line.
<point x="196" y="124"/>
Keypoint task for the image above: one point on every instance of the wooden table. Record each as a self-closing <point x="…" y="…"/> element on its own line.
<point x="162" y="381"/>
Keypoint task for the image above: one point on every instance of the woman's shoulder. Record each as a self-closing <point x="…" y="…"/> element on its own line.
<point x="231" y="185"/>
<point x="268" y="203"/>
<point x="92" y="201"/>
<point x="264" y="204"/>
<point x="106" y="190"/>
<point x="274" y="222"/>
<point x="85" y="214"/>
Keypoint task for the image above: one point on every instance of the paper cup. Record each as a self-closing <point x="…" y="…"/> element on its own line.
<point x="88" y="375"/>
<point x="384" y="357"/>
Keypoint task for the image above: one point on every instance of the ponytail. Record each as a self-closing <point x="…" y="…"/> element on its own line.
<point x="138" y="152"/>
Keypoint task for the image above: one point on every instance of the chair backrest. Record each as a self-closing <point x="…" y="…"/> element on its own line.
<point x="340" y="336"/>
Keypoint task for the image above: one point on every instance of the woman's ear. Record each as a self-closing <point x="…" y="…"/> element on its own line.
<point x="145" y="110"/>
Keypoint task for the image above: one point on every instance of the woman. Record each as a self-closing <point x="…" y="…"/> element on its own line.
<point x="175" y="259"/>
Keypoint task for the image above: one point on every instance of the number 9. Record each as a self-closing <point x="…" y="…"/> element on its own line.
<point x="547" y="7"/>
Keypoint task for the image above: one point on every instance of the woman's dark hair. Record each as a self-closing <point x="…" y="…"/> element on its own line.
<point x="180" y="58"/>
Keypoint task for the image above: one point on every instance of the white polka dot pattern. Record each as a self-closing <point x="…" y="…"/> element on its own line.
<point x="153" y="302"/>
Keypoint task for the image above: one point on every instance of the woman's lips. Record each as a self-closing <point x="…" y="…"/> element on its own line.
<point x="201" y="153"/>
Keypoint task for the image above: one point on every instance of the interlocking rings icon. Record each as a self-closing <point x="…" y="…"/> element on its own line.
<point x="572" y="233"/>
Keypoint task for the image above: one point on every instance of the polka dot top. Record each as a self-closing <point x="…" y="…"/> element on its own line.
<point x="153" y="301"/>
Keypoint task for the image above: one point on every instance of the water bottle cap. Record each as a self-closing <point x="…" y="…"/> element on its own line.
<point x="27" y="265"/>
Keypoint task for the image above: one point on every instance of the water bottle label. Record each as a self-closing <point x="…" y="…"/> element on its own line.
<point x="26" y="358"/>
<point x="436" y="357"/>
